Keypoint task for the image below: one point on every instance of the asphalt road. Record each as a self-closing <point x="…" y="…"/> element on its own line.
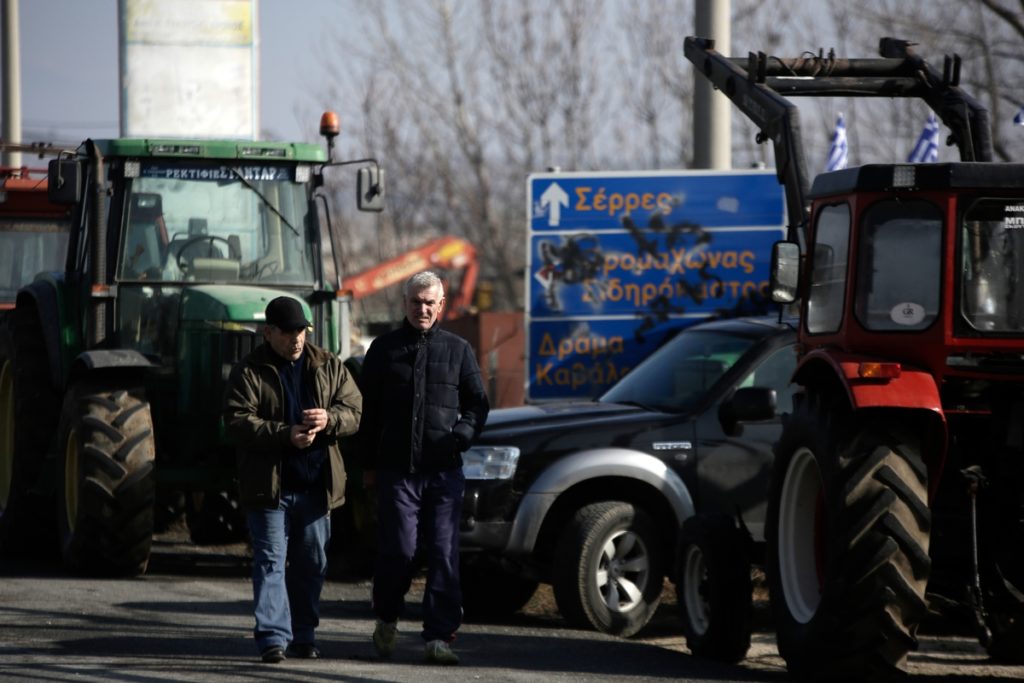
<point x="189" y="619"/>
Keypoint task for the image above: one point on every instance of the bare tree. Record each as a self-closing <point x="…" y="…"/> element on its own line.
<point x="468" y="99"/>
<point x="986" y="34"/>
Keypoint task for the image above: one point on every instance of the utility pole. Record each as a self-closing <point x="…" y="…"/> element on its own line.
<point x="11" y="82"/>
<point x="712" y="112"/>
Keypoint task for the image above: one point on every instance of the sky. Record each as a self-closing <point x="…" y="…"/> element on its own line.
<point x="69" y="66"/>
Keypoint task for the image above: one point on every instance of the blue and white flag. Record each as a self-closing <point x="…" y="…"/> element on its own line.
<point x="927" y="148"/>
<point x="1018" y="120"/>
<point x="837" y="153"/>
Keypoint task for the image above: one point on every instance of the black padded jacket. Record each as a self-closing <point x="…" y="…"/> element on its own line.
<point x="423" y="401"/>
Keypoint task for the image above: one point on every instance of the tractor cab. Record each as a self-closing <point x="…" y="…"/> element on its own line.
<point x="916" y="263"/>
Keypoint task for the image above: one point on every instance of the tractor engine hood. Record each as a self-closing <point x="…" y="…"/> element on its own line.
<point x="235" y="303"/>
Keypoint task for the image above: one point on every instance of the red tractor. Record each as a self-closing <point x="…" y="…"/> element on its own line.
<point x="897" y="482"/>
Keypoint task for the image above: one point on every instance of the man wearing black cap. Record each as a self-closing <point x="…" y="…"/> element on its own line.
<point x="288" y="402"/>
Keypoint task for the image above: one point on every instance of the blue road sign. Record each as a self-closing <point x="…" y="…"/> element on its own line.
<point x="618" y="260"/>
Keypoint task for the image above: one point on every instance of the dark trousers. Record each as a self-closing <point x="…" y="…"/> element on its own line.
<point x="418" y="520"/>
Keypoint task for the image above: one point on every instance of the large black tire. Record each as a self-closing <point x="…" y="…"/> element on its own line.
<point x="714" y="589"/>
<point x="27" y="419"/>
<point x="489" y="591"/>
<point x="106" y="480"/>
<point x="1001" y="552"/>
<point x="609" y="569"/>
<point x="848" y="531"/>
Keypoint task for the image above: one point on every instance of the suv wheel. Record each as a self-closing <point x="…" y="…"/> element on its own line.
<point x="608" y="568"/>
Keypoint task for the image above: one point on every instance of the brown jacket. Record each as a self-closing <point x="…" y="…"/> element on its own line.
<point x="254" y="418"/>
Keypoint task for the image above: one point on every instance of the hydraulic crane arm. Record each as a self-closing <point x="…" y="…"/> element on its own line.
<point x="757" y="85"/>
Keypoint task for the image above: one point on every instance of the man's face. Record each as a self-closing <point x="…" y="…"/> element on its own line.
<point x="423" y="306"/>
<point x="286" y="343"/>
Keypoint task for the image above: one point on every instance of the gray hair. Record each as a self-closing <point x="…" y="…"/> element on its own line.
<point x="422" y="280"/>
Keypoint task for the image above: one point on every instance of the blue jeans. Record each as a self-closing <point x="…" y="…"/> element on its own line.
<point x="418" y="518"/>
<point x="287" y="600"/>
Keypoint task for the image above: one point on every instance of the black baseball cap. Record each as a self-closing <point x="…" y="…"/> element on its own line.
<point x="286" y="313"/>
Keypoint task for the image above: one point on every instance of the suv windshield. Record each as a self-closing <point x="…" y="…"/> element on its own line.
<point x="696" y="359"/>
<point x="992" y="248"/>
<point x="217" y="223"/>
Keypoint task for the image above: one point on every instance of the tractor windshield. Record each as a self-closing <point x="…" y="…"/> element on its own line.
<point x="992" y="249"/>
<point x="899" y="266"/>
<point x="247" y="223"/>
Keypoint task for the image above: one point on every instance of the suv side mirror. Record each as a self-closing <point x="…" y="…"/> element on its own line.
<point x="370" y="189"/>
<point x="747" y="404"/>
<point x="785" y="272"/>
<point x="64" y="181"/>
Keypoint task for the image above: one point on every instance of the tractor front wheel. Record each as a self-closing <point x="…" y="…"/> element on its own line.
<point x="714" y="588"/>
<point x="106" y="483"/>
<point x="848" y="532"/>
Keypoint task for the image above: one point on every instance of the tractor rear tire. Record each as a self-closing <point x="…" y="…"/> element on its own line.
<point x="608" y="568"/>
<point x="714" y="588"/>
<point x="848" y="531"/>
<point x="106" y="480"/>
<point x="28" y="417"/>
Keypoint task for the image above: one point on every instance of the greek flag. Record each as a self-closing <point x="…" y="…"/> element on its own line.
<point x="837" y="153"/>
<point x="1018" y="120"/>
<point x="927" y="148"/>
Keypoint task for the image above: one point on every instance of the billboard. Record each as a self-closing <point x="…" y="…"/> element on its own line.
<point x="187" y="68"/>
<point x="618" y="261"/>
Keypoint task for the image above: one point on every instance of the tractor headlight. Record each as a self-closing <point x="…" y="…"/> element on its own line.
<point x="490" y="462"/>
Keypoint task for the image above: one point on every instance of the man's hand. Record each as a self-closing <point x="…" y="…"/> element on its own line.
<point x="313" y="421"/>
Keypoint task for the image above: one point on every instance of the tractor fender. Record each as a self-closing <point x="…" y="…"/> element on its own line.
<point x="912" y="388"/>
<point x="89" y="362"/>
<point x="592" y="464"/>
<point x="41" y="300"/>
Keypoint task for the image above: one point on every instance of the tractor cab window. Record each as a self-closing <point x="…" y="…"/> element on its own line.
<point x="29" y="246"/>
<point x="899" y="266"/>
<point x="214" y="223"/>
<point x="992" y="253"/>
<point x="828" y="270"/>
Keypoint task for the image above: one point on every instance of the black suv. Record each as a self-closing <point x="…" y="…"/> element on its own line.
<point x="592" y="496"/>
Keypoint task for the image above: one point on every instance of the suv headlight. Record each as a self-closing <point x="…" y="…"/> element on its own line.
<point x="490" y="462"/>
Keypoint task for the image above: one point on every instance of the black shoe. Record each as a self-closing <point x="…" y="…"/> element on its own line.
<point x="273" y="654"/>
<point x="303" y="651"/>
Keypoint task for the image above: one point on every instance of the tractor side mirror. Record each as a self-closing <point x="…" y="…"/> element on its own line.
<point x="785" y="272"/>
<point x="64" y="181"/>
<point x="370" y="189"/>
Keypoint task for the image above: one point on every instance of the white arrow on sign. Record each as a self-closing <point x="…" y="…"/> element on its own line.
<point x="556" y="198"/>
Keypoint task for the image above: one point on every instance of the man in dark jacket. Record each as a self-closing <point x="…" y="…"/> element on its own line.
<point x="288" y="402"/>
<point x="424" y="404"/>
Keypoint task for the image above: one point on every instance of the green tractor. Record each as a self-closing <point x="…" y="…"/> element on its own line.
<point x="112" y="372"/>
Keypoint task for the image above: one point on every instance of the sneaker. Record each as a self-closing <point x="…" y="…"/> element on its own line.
<point x="384" y="636"/>
<point x="439" y="652"/>
<point x="303" y="651"/>
<point x="273" y="654"/>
